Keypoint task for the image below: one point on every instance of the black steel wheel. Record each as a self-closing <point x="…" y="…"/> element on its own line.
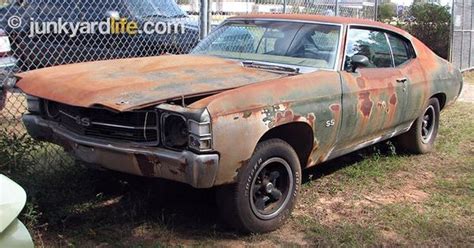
<point x="422" y="134"/>
<point x="266" y="190"/>
<point x="270" y="188"/>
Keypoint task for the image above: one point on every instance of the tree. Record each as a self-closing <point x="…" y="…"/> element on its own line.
<point x="431" y="26"/>
<point x="387" y="11"/>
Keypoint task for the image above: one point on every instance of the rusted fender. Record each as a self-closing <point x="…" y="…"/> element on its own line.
<point x="240" y="117"/>
<point x="128" y="84"/>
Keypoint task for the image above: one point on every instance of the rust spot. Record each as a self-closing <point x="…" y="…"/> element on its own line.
<point x="366" y="103"/>
<point x="393" y="99"/>
<point x="284" y="117"/>
<point x="146" y="164"/>
<point x="311" y="119"/>
<point x="247" y="114"/>
<point x="361" y="82"/>
<point x="335" y="107"/>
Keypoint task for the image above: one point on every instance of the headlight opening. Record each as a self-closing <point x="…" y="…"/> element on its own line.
<point x="175" y="131"/>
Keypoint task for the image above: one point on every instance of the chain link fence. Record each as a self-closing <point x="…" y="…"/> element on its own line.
<point x="462" y="43"/>
<point x="31" y="51"/>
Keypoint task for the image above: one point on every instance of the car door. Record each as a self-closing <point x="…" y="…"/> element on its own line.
<point x="373" y="96"/>
<point x="414" y="79"/>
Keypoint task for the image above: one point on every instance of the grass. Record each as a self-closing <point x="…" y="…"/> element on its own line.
<point x="469" y="76"/>
<point x="372" y="197"/>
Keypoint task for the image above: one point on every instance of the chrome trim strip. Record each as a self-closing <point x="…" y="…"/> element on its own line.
<point x="375" y="28"/>
<point x="387" y="135"/>
<point x="391" y="50"/>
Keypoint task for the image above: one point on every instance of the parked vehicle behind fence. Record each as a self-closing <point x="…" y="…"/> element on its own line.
<point x="7" y="67"/>
<point x="55" y="49"/>
<point x="257" y="101"/>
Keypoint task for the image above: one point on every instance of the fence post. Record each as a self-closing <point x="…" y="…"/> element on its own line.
<point x="204" y="19"/>
<point x="376" y="10"/>
<point x="284" y="6"/>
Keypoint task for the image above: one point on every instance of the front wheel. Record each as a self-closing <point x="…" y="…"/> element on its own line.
<point x="422" y="135"/>
<point x="266" y="191"/>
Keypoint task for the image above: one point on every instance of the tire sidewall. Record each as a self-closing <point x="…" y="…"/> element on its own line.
<point x="264" y="152"/>
<point x="427" y="147"/>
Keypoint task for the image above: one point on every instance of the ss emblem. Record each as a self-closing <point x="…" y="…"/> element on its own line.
<point x="330" y="123"/>
<point x="83" y="121"/>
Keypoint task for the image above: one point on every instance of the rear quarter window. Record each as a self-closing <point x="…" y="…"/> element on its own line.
<point x="401" y="48"/>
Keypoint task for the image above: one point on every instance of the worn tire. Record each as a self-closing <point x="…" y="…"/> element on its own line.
<point x="414" y="141"/>
<point x="237" y="205"/>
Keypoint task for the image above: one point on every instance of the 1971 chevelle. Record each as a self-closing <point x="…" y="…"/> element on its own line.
<point x="257" y="101"/>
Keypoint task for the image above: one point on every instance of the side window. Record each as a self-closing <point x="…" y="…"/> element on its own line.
<point x="370" y="43"/>
<point x="402" y="50"/>
<point x="318" y="42"/>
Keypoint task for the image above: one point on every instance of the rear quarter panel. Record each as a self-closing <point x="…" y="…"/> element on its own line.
<point x="440" y="77"/>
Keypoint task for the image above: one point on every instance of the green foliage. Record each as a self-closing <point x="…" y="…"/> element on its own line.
<point x="431" y="26"/>
<point x="386" y="12"/>
<point x="15" y="151"/>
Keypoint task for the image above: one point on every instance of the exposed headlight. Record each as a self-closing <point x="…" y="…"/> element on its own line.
<point x="175" y="131"/>
<point x="33" y="104"/>
<point x="183" y="128"/>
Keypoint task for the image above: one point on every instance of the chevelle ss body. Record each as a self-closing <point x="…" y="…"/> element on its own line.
<point x="257" y="101"/>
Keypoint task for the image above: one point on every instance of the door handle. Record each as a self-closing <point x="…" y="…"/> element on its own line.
<point x="402" y="80"/>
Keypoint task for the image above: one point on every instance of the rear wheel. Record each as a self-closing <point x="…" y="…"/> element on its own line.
<point x="266" y="190"/>
<point x="422" y="135"/>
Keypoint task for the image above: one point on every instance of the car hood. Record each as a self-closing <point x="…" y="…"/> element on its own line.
<point x="128" y="84"/>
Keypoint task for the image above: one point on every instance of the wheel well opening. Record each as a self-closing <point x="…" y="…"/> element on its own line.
<point x="441" y="99"/>
<point x="298" y="135"/>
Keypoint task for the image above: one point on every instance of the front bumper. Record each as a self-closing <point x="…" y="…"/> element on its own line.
<point x="197" y="170"/>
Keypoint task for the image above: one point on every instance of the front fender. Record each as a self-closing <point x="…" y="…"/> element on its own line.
<point x="240" y="117"/>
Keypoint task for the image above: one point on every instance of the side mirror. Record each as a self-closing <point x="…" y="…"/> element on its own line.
<point x="113" y="14"/>
<point x="358" y="61"/>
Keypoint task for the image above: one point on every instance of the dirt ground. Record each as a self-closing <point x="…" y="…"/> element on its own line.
<point x="467" y="94"/>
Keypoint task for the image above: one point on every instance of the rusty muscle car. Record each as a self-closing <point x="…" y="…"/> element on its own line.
<point x="258" y="100"/>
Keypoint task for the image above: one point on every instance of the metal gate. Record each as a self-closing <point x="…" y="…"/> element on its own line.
<point x="462" y="42"/>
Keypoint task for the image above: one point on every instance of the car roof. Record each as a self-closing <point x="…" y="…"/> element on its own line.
<point x="325" y="19"/>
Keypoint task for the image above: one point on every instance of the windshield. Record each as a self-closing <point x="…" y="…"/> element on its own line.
<point x="292" y="43"/>
<point x="150" y="8"/>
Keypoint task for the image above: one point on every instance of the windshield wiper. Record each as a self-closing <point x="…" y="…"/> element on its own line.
<point x="155" y="15"/>
<point x="271" y="67"/>
<point x="180" y="16"/>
